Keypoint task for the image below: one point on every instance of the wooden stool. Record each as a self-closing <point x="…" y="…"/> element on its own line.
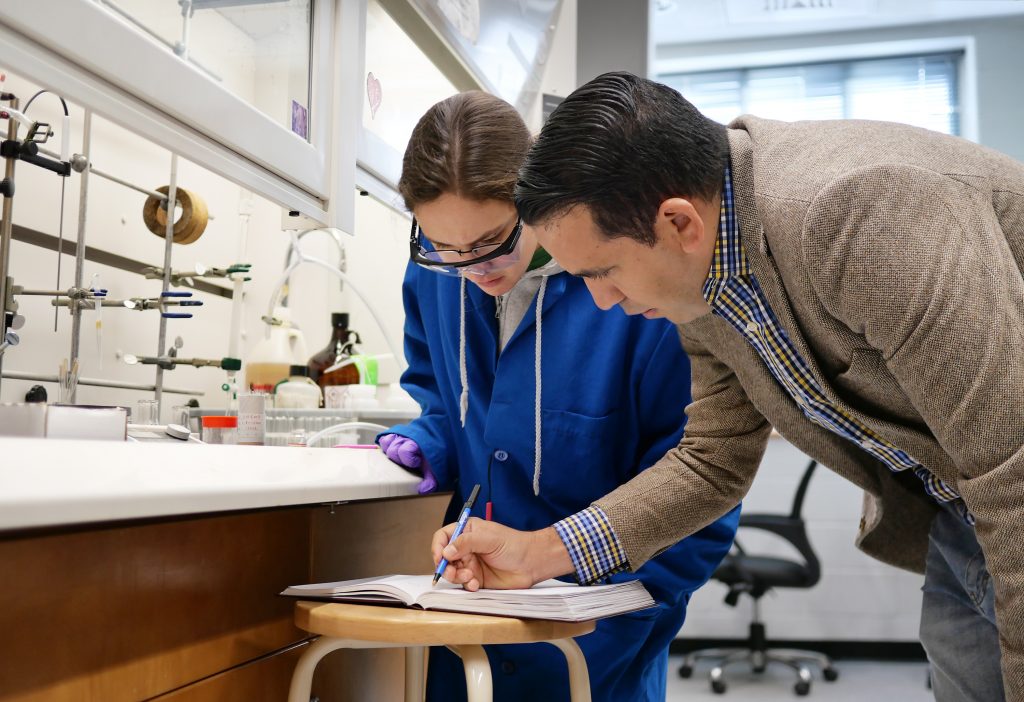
<point x="363" y="626"/>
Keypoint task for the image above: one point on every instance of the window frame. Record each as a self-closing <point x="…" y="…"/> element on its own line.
<point x="967" y="76"/>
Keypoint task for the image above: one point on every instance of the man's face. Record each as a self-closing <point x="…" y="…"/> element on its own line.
<point x="663" y="280"/>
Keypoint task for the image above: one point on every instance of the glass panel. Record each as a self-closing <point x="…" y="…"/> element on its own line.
<point x="796" y="92"/>
<point x="259" y="50"/>
<point x="716" y="94"/>
<point x="917" y="90"/>
<point x="401" y="83"/>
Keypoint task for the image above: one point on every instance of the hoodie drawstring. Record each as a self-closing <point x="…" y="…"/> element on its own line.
<point x="463" y="375"/>
<point x="536" y="406"/>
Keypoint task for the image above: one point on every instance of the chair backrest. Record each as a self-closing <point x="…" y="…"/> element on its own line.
<point x="790" y="527"/>
<point x="801" y="490"/>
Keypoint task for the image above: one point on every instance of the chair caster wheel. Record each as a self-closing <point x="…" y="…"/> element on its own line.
<point x="718" y="687"/>
<point x="685" y="671"/>
<point x="802" y="688"/>
<point x="830" y="674"/>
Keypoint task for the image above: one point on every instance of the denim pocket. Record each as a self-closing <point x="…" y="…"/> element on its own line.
<point x="976" y="581"/>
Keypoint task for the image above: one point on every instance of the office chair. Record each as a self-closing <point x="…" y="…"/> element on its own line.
<point x="756" y="575"/>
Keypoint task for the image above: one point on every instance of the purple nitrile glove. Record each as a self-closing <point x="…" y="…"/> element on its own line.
<point x="406" y="453"/>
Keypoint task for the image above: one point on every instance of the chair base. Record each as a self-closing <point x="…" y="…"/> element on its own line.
<point x="759" y="661"/>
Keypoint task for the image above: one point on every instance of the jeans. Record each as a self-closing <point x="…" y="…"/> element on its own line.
<point x="958" y="619"/>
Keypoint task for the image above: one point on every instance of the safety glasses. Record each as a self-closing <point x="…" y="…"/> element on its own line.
<point x="481" y="259"/>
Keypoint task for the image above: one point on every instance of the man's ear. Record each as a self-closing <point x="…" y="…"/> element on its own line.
<point x="679" y="222"/>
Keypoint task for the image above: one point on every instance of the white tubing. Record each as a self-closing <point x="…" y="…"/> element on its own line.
<point x="303" y="258"/>
<point x="344" y="425"/>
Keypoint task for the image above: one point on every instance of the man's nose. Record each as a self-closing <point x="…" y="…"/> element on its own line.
<point x="605" y="295"/>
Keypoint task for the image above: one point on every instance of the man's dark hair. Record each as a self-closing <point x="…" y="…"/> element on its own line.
<point x="621" y="145"/>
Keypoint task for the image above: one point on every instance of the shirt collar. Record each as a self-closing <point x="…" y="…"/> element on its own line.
<point x="729" y="259"/>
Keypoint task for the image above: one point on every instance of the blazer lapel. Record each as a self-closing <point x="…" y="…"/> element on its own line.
<point x="759" y="255"/>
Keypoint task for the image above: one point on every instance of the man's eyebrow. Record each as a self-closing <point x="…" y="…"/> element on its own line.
<point x="592" y="272"/>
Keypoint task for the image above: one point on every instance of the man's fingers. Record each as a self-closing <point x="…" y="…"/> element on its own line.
<point x="472" y="540"/>
<point x="441" y="538"/>
<point x="469" y="579"/>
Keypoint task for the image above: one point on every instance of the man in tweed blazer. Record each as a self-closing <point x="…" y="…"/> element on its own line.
<point x="856" y="285"/>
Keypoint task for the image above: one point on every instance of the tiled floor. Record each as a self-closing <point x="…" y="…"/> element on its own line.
<point x="858" y="681"/>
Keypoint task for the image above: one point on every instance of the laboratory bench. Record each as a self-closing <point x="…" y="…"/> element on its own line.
<point x="150" y="571"/>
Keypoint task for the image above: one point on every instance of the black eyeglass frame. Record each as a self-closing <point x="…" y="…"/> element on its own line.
<point x="416" y="250"/>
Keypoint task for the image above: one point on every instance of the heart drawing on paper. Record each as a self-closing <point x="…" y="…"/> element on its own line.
<point x="374" y="93"/>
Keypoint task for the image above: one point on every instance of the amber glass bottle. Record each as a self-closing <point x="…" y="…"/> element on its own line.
<point x="340" y="348"/>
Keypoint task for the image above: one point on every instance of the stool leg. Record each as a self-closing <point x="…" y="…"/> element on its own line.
<point x="478" y="673"/>
<point x="579" y="676"/>
<point x="414" y="678"/>
<point x="302" y="678"/>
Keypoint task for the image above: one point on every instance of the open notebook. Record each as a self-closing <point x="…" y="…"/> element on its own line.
<point x="550" y="599"/>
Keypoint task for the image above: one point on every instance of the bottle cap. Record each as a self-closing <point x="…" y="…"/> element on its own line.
<point x="220" y="422"/>
<point x="339" y="319"/>
<point x="298" y="370"/>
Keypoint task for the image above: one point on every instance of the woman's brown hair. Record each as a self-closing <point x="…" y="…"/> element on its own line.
<point x="471" y="145"/>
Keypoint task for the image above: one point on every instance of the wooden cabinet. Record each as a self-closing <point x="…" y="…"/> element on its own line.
<point x="187" y="608"/>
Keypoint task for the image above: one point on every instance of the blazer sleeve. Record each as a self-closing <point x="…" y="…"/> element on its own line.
<point x="661" y="393"/>
<point x="918" y="264"/>
<point x="703" y="477"/>
<point x="432" y="429"/>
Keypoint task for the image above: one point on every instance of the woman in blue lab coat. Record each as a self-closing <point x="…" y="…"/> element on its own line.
<point x="531" y="391"/>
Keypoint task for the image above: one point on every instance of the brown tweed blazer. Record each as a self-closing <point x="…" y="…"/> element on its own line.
<point x="892" y="256"/>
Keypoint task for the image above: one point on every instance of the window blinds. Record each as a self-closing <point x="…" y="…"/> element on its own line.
<point x="917" y="90"/>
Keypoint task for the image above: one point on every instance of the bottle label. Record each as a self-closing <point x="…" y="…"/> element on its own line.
<point x="252" y="418"/>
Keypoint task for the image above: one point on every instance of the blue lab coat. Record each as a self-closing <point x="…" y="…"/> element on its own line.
<point x="614" y="389"/>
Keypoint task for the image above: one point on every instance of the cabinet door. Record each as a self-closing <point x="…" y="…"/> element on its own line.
<point x="210" y="79"/>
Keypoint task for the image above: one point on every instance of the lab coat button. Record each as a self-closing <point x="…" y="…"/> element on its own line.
<point x="501" y="455"/>
<point x="508" y="667"/>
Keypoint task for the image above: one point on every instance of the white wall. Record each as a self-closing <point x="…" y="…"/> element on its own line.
<point x="857" y="598"/>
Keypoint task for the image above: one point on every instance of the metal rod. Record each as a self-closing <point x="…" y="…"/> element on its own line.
<point x="131" y="18"/>
<point x="120" y="181"/>
<point x="6" y="228"/>
<point x="125" y="183"/>
<point x="161" y="343"/>
<point x="52" y="293"/>
<point x="98" y="382"/>
<point x="83" y="202"/>
<point x="106" y="258"/>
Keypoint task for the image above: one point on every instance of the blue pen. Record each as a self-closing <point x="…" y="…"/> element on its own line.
<point x="459" y="526"/>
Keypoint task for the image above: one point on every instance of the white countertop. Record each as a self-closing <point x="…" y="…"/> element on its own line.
<point x="47" y="482"/>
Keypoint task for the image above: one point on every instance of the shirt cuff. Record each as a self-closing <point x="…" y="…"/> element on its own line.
<point x="593" y="547"/>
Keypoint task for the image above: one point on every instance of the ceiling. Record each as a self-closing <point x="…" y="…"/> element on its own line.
<point x="691" y="21"/>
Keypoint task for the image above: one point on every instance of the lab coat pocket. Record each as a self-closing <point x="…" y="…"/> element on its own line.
<point x="575" y="424"/>
<point x="587" y="450"/>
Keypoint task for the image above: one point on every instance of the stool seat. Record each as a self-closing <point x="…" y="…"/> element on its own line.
<point x="416" y="627"/>
<point x="343" y="625"/>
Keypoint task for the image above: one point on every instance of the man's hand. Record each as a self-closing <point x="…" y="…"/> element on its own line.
<point x="488" y="554"/>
